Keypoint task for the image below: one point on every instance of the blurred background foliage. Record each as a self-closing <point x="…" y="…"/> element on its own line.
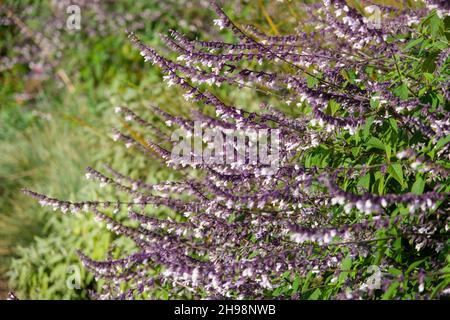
<point x="58" y="90"/>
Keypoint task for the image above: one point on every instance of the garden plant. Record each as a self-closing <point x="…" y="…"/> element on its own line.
<point x="333" y="185"/>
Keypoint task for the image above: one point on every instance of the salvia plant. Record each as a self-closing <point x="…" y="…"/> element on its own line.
<point x="355" y="203"/>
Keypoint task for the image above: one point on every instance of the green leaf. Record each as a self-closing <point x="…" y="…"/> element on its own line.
<point x="374" y="102"/>
<point x="379" y="183"/>
<point x="345" y="265"/>
<point x="388" y="151"/>
<point x="429" y="77"/>
<point x="391" y="291"/>
<point x="348" y="75"/>
<point x="393" y="123"/>
<point x="333" y="107"/>
<point x="436" y="25"/>
<point x="277" y="292"/>
<point x="440" y="286"/>
<point x="315" y="295"/>
<point x="311" y="81"/>
<point x="364" y="181"/>
<point x="418" y="186"/>
<point x="402" y="91"/>
<point x="442" y="142"/>
<point x="307" y="281"/>
<point x="396" y="172"/>
<point x="355" y="151"/>
<point x="375" y="143"/>
<point x="429" y="64"/>
<point x="395" y="272"/>
<point x="413" y="43"/>
<point x="414" y="265"/>
<point x="296" y="283"/>
<point x="367" y="126"/>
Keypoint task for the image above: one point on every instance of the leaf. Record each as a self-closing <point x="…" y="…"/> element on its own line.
<point x="440" y="286"/>
<point x="429" y="64"/>
<point x="414" y="265"/>
<point x="307" y="281"/>
<point x="345" y="265"/>
<point x="429" y="77"/>
<point x="315" y="295"/>
<point x="388" y="151"/>
<point x="277" y="291"/>
<point x="397" y="244"/>
<point x="375" y="143"/>
<point x="413" y="43"/>
<point x="418" y="186"/>
<point x="393" y="123"/>
<point x="364" y="181"/>
<point x="396" y="172"/>
<point x="333" y="107"/>
<point x="395" y="272"/>
<point x="164" y="295"/>
<point x="374" y="102"/>
<point x="367" y="126"/>
<point x="391" y="291"/>
<point x="378" y="186"/>
<point x="355" y="151"/>
<point x="296" y="283"/>
<point x="436" y="25"/>
<point x="348" y="75"/>
<point x="311" y="82"/>
<point x="442" y="142"/>
<point x="402" y="91"/>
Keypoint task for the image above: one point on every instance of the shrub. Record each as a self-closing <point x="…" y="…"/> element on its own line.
<point x="355" y="205"/>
